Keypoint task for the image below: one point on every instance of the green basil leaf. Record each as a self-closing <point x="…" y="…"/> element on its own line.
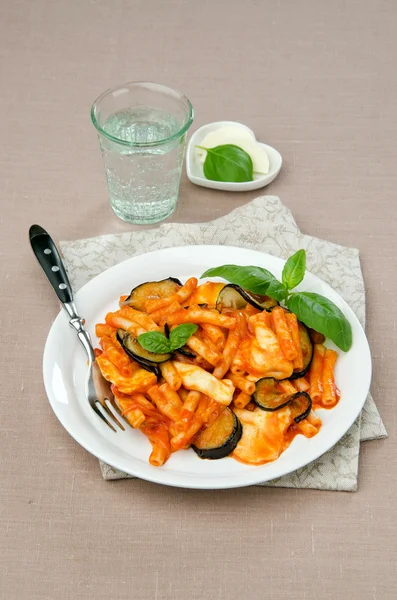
<point x="154" y="341"/>
<point x="294" y="269"/>
<point x="180" y="335"/>
<point x="324" y="316"/>
<point x="253" y="279"/>
<point x="276" y="290"/>
<point x="227" y="163"/>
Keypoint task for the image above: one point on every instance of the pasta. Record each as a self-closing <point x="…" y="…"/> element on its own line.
<point x="216" y="376"/>
<point x="170" y="374"/>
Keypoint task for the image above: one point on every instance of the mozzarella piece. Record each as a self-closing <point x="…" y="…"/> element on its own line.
<point x="263" y="435"/>
<point x="138" y="381"/>
<point x="206" y="293"/>
<point x="196" y="378"/>
<point x="261" y="355"/>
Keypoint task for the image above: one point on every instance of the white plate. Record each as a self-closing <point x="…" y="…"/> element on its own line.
<point x="194" y="168"/>
<point x="64" y="368"/>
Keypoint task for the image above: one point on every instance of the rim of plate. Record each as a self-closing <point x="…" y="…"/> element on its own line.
<point x="254" y="474"/>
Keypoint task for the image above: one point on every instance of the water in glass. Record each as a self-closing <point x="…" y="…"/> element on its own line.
<point x="143" y="182"/>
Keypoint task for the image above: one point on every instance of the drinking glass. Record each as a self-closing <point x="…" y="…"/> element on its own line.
<point x="142" y="130"/>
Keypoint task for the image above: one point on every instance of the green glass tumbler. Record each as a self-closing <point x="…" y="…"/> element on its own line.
<point x="142" y="129"/>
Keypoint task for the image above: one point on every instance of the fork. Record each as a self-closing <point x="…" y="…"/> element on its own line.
<point x="97" y="389"/>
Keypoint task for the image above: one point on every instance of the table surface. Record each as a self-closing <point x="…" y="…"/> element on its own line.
<point x="315" y="79"/>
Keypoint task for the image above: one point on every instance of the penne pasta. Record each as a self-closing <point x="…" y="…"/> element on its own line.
<point x="166" y="400"/>
<point x="314" y="419"/>
<point x="212" y="412"/>
<point x="202" y="348"/>
<point x="213" y="332"/>
<point x="195" y="314"/>
<point x="264" y="318"/>
<point x="307" y="429"/>
<point x="183" y="393"/>
<point x="103" y="330"/>
<point x="158" y="455"/>
<point x="134" y="416"/>
<point x="286" y="387"/>
<point x="119" y="322"/>
<point x="187" y="411"/>
<point x="180" y="296"/>
<point x="229" y="353"/>
<point x="293" y="327"/>
<point x="138" y="317"/>
<point x="242" y="400"/>
<point x="159" y="438"/>
<point x="170" y="375"/>
<point x="202" y="405"/>
<point x="329" y="397"/>
<point x="191" y="402"/>
<point x="160" y="316"/>
<point x="283" y="334"/>
<point x="115" y="354"/>
<point x="301" y="384"/>
<point x="241" y="383"/>
<point x="316" y="373"/>
<point x="184" y="438"/>
<point x="134" y="409"/>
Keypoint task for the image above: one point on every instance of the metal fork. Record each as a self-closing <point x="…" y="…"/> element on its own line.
<point x="97" y="389"/>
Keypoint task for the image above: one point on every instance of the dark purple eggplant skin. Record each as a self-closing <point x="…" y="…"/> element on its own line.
<point x="135" y="289"/>
<point x="185" y="352"/>
<point x="306" y="412"/>
<point x="261" y="405"/>
<point x="289" y="401"/>
<point x="143" y="363"/>
<point x="247" y="296"/>
<point x="227" y="447"/>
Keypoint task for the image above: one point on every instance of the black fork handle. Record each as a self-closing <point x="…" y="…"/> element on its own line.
<point x="48" y="256"/>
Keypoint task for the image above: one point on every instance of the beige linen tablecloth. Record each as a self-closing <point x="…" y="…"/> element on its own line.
<point x="266" y="225"/>
<point x="317" y="81"/>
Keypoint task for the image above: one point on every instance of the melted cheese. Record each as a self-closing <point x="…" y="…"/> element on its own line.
<point x="196" y="378"/>
<point x="263" y="438"/>
<point x="138" y="381"/>
<point x="207" y="293"/>
<point x="261" y="355"/>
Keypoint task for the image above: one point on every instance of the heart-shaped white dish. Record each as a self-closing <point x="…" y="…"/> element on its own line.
<point x="194" y="167"/>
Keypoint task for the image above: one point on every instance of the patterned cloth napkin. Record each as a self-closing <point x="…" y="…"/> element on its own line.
<point x="267" y="225"/>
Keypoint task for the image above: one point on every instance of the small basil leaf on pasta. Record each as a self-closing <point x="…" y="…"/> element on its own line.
<point x="180" y="334"/>
<point x="155" y="341"/>
<point x="294" y="269"/>
<point x="256" y="280"/>
<point x="323" y="316"/>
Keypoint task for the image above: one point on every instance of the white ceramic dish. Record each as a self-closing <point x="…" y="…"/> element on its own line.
<point x="64" y="368"/>
<point x="194" y="168"/>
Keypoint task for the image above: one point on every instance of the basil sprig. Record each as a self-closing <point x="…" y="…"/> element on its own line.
<point x="155" y="341"/>
<point x="254" y="279"/>
<point x="227" y="163"/>
<point x="312" y="309"/>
